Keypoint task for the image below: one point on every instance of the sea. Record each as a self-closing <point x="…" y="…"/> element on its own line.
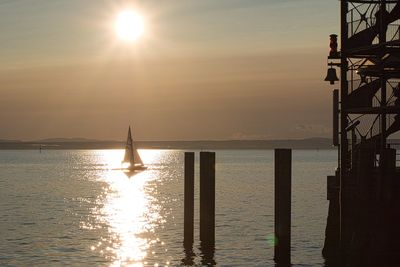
<point x="77" y="208"/>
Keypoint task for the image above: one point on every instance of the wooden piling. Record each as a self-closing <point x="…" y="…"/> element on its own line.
<point x="207" y="198"/>
<point x="189" y="199"/>
<point x="332" y="230"/>
<point x="283" y="188"/>
<point x="335" y="125"/>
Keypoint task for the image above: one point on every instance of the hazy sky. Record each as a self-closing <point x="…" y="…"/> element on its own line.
<point x="209" y="69"/>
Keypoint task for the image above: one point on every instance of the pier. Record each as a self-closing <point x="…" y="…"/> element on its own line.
<point x="363" y="224"/>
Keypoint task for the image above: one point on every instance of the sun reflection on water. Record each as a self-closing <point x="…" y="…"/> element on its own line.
<point x="126" y="209"/>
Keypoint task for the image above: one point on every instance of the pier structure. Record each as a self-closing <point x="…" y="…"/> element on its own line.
<point x="188" y="230"/>
<point x="207" y="207"/>
<point x="363" y="226"/>
<point x="283" y="206"/>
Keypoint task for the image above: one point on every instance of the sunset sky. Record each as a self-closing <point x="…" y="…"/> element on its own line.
<point x="225" y="69"/>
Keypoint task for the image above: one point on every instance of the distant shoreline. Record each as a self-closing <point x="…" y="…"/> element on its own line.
<point x="311" y="143"/>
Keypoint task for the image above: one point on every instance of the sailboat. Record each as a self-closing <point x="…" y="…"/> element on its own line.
<point x="132" y="158"/>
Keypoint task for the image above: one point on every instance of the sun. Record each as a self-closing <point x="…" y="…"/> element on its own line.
<point x="129" y="25"/>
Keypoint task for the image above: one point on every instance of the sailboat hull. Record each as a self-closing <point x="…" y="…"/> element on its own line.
<point x="137" y="168"/>
<point x="133" y="171"/>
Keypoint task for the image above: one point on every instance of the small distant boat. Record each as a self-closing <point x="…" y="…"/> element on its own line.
<point x="132" y="160"/>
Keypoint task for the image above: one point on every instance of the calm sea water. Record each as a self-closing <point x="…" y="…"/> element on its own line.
<point x="75" y="208"/>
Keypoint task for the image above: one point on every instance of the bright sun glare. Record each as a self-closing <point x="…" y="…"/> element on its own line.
<point x="129" y="25"/>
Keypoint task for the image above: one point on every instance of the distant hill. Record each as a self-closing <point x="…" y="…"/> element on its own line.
<point x="9" y="141"/>
<point x="311" y="143"/>
<point x="75" y="139"/>
<point x="83" y="143"/>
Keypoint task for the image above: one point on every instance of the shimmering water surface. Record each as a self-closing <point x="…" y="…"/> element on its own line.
<point x="76" y="208"/>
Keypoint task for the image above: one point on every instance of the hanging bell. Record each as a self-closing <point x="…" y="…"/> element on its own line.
<point x="331" y="76"/>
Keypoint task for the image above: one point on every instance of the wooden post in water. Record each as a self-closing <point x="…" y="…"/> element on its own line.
<point x="189" y="199"/>
<point x="207" y="198"/>
<point x="283" y="188"/>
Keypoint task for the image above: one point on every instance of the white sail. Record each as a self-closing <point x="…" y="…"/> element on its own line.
<point x="129" y="154"/>
<point x="138" y="159"/>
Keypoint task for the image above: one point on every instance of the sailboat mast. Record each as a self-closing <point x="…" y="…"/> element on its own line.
<point x="130" y="142"/>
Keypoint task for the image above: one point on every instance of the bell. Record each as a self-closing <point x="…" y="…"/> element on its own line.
<point x="331" y="76"/>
